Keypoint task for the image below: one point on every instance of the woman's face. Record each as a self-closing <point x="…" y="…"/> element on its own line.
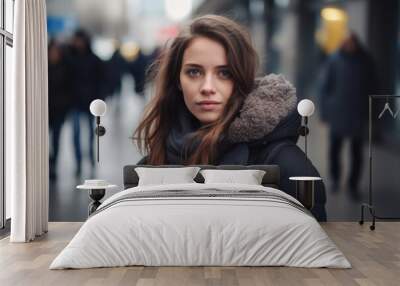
<point x="205" y="79"/>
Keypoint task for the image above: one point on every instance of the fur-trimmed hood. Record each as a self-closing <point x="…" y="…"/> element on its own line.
<point x="272" y="100"/>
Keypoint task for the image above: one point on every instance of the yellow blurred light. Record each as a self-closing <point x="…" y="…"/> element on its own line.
<point x="129" y="51"/>
<point x="333" y="14"/>
<point x="333" y="29"/>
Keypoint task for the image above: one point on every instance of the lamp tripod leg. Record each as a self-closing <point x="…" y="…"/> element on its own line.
<point x="372" y="227"/>
<point x="361" y="222"/>
<point x="305" y="136"/>
<point x="98" y="147"/>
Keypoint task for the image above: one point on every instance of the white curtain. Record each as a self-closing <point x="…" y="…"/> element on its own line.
<point x="27" y="124"/>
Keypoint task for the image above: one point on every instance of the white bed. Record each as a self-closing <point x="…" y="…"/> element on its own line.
<point x="246" y="225"/>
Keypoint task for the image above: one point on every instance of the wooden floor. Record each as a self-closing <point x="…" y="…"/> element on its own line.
<point x="374" y="255"/>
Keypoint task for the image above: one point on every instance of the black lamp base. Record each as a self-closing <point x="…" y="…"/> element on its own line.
<point x="305" y="193"/>
<point x="305" y="190"/>
<point x="96" y="195"/>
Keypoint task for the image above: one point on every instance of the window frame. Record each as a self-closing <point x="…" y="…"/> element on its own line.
<point x="6" y="39"/>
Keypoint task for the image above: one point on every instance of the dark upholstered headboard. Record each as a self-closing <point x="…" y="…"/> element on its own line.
<point x="270" y="179"/>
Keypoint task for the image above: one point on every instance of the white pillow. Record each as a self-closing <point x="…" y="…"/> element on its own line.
<point x="248" y="177"/>
<point x="162" y="176"/>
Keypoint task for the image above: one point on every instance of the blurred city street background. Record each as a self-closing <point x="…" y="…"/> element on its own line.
<point x="300" y="39"/>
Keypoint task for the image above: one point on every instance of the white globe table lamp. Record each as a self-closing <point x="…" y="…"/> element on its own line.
<point x="305" y="108"/>
<point x="97" y="188"/>
<point x="305" y="184"/>
<point x="98" y="108"/>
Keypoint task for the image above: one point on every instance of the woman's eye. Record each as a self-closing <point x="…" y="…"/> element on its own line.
<point x="226" y="74"/>
<point x="193" y="72"/>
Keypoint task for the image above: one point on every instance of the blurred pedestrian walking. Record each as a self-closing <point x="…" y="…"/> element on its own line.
<point x="88" y="84"/>
<point x="347" y="80"/>
<point x="60" y="101"/>
<point x="116" y="67"/>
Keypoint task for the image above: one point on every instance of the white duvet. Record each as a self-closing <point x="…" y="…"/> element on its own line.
<point x="182" y="231"/>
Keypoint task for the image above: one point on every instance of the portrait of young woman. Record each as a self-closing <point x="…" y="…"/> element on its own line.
<point x="209" y="107"/>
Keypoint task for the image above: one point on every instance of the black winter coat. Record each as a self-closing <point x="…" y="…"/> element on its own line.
<point x="60" y="91"/>
<point x="87" y="79"/>
<point x="345" y="84"/>
<point x="265" y="132"/>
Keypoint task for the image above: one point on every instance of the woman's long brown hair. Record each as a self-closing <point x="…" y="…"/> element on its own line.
<point x="160" y="114"/>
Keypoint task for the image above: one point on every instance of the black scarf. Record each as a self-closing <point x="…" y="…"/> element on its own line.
<point x="180" y="144"/>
